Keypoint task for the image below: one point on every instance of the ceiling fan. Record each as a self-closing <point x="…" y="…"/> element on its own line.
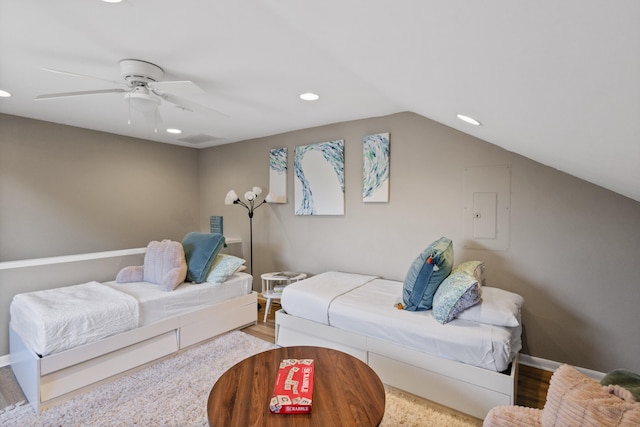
<point x="143" y="90"/>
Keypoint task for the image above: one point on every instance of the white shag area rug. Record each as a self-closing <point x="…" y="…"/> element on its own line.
<point x="174" y="392"/>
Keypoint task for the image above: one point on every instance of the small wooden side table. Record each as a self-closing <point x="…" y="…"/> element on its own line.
<point x="346" y="391"/>
<point x="273" y="283"/>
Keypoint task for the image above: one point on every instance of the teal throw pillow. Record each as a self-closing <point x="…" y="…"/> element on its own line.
<point x="426" y="273"/>
<point x="223" y="266"/>
<point x="200" y="250"/>
<point x="457" y="292"/>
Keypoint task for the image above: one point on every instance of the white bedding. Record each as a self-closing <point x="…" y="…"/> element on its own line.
<point x="55" y="320"/>
<point x="368" y="309"/>
<point x="186" y="297"/>
<point x="312" y="297"/>
<point x="479" y="344"/>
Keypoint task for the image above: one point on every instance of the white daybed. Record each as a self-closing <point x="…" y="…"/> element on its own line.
<point x="465" y="365"/>
<point x="165" y="323"/>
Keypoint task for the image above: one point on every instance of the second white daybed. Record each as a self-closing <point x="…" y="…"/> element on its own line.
<point x="168" y="323"/>
<point x="464" y="364"/>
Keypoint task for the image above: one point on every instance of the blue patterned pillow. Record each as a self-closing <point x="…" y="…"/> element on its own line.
<point x="200" y="249"/>
<point x="458" y="292"/>
<point x="223" y="266"/>
<point x="426" y="273"/>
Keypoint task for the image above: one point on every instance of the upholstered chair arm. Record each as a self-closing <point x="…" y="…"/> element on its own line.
<point x="513" y="416"/>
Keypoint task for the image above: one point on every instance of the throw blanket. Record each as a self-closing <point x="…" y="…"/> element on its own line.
<point x="311" y="298"/>
<point x="55" y="320"/>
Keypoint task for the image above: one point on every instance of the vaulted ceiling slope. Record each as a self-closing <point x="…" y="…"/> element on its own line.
<point x="555" y="81"/>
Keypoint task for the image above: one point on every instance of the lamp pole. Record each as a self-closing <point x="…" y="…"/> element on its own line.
<point x="233" y="199"/>
<point x="251" y="239"/>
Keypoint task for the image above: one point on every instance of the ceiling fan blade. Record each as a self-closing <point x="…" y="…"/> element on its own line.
<point x="81" y="93"/>
<point x="51" y="70"/>
<point x="185" y="104"/>
<point x="180" y="86"/>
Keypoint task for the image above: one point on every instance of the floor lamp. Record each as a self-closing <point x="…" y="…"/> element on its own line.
<point x="250" y="196"/>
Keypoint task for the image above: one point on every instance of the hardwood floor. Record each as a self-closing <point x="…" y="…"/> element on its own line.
<point x="532" y="382"/>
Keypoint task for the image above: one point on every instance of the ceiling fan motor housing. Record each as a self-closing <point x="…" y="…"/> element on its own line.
<point x="137" y="71"/>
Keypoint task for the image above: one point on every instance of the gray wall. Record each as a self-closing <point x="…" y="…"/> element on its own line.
<point x="66" y="190"/>
<point x="573" y="246"/>
<point x="573" y="251"/>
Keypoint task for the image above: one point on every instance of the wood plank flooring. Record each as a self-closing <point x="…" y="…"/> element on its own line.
<point x="532" y="383"/>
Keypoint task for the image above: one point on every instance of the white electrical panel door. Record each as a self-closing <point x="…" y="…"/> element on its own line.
<point x="485" y="215"/>
<point x="487" y="207"/>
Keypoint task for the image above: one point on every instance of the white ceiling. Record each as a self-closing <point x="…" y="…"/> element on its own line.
<point x="555" y="81"/>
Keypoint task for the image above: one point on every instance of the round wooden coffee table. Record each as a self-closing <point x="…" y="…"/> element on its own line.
<point x="346" y="392"/>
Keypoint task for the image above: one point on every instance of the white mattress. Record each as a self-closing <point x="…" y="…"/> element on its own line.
<point x="369" y="310"/>
<point x="312" y="297"/>
<point x="55" y="320"/>
<point x="156" y="305"/>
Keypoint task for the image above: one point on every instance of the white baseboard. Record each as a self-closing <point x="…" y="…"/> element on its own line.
<point x="4" y="360"/>
<point x="552" y="365"/>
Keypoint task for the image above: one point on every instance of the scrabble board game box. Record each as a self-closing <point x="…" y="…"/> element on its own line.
<point x="293" y="390"/>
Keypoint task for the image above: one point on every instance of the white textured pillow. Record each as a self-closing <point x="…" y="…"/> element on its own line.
<point x="498" y="307"/>
<point x="222" y="267"/>
<point x="164" y="265"/>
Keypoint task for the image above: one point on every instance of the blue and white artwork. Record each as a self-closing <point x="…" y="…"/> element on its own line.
<point x="375" y="170"/>
<point x="319" y="181"/>
<point x="277" y="176"/>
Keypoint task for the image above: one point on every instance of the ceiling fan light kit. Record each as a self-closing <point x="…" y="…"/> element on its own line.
<point x="141" y="100"/>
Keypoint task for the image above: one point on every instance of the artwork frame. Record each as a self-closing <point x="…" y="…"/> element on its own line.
<point x="375" y="168"/>
<point x="319" y="178"/>
<point x="277" y="176"/>
<point x="216" y="224"/>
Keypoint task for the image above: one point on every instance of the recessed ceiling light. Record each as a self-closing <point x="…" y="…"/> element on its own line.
<point x="112" y="1"/>
<point x="309" y="96"/>
<point x="4" y="94"/>
<point x="469" y="120"/>
<point x="174" y="131"/>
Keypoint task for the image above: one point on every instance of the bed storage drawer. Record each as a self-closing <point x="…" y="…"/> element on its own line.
<point x="233" y="314"/>
<point x="436" y="387"/>
<point x="77" y="376"/>
<point x="504" y="383"/>
<point x="463" y="387"/>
